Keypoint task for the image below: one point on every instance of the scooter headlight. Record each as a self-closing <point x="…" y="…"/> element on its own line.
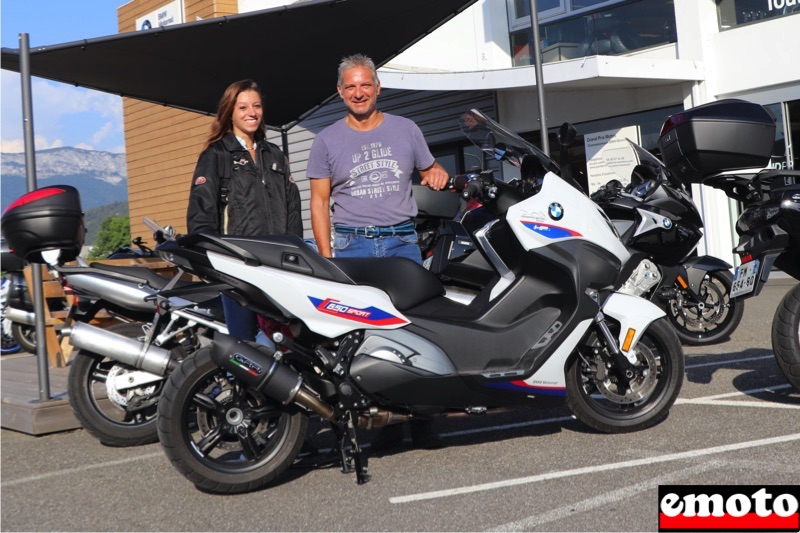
<point x="754" y="217"/>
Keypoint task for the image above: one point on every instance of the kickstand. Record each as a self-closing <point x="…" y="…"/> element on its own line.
<point x="353" y="458"/>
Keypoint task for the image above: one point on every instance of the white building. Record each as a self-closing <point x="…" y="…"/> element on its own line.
<point x="607" y="64"/>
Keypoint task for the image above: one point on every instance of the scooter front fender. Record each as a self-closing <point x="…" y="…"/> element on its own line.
<point x="633" y="313"/>
<point x="695" y="269"/>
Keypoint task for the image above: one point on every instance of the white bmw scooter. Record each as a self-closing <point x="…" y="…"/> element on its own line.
<point x="370" y="342"/>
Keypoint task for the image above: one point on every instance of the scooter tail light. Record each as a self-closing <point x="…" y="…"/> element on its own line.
<point x="746" y="258"/>
<point x="671" y="122"/>
<point x="628" y="339"/>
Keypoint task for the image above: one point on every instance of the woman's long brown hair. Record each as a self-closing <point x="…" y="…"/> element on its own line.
<point x="223" y="121"/>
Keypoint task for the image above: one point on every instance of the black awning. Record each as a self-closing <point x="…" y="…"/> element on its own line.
<point x="292" y="52"/>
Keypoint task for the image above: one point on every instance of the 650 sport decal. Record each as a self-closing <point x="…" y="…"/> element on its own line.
<point x="368" y="315"/>
<point x="550" y="231"/>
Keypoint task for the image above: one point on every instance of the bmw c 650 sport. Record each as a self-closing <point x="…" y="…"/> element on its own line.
<point x="371" y="342"/>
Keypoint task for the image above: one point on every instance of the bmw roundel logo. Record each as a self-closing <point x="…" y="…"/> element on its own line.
<point x="667" y="223"/>
<point x="556" y="211"/>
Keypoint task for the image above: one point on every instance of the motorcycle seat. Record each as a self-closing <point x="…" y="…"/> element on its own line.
<point x="407" y="283"/>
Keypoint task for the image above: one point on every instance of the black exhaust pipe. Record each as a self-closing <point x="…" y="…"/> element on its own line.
<point x="257" y="368"/>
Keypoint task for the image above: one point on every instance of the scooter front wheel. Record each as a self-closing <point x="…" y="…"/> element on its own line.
<point x="223" y="435"/>
<point x="598" y="399"/>
<point x="786" y="336"/>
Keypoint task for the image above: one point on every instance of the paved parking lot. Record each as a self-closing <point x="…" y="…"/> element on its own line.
<point x="735" y="422"/>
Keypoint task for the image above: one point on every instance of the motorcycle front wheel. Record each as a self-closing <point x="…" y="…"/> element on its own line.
<point x="786" y="336"/>
<point x="25" y="336"/>
<point x="597" y="399"/>
<point x="223" y="435"/>
<point x="713" y="318"/>
<point x="106" y="412"/>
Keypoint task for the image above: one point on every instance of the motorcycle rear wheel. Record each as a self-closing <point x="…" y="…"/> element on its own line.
<point x="718" y="317"/>
<point x="25" y="336"/>
<point x="786" y="336"/>
<point x="10" y="346"/>
<point x="106" y="416"/>
<point x="222" y="435"/>
<point x="594" y="399"/>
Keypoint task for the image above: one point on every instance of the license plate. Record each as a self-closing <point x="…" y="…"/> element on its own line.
<point x="744" y="279"/>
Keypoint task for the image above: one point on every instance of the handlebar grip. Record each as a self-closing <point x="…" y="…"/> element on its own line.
<point x="458" y="182"/>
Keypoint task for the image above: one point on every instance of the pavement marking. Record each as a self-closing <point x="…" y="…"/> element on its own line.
<point x="726" y="361"/>
<point x="625" y="493"/>
<point x="68" y="471"/>
<point x="717" y="399"/>
<point x="692" y="454"/>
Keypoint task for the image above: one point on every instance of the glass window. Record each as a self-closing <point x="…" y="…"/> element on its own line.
<point x="519" y="11"/>
<point x="649" y="122"/>
<point x="615" y="30"/>
<point x="583" y="4"/>
<point x="734" y="13"/>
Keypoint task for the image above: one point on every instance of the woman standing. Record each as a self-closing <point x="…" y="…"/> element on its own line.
<point x="242" y="186"/>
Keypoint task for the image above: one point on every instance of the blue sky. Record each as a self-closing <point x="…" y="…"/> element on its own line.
<point x="63" y="115"/>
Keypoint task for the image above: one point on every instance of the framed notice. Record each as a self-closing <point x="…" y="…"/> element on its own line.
<point x="609" y="156"/>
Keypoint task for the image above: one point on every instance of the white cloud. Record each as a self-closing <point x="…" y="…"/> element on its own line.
<point x="102" y="133"/>
<point x="62" y="112"/>
<point x="18" y="145"/>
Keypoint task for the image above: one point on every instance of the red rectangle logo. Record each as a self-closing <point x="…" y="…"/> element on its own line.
<point x="728" y="508"/>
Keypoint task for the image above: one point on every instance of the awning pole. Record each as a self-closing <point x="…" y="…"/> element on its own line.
<point x="537" y="55"/>
<point x="30" y="173"/>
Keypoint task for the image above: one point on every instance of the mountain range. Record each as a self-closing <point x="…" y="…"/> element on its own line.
<point x="100" y="177"/>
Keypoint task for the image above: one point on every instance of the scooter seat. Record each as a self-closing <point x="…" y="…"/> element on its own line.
<point x="407" y="283"/>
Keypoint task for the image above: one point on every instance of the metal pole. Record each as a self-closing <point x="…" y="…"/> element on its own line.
<point x="30" y="172"/>
<point x="537" y="55"/>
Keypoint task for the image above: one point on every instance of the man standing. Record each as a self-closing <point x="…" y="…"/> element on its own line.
<point x="364" y="164"/>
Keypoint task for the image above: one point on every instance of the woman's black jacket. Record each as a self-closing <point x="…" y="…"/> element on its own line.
<point x="258" y="203"/>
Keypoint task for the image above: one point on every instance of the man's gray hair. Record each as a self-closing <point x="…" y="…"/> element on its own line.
<point x="357" y="60"/>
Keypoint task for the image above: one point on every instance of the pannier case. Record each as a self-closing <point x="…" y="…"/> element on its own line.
<point x="49" y="218"/>
<point x="716" y="137"/>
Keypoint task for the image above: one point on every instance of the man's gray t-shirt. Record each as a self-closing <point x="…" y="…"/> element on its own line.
<point x="370" y="171"/>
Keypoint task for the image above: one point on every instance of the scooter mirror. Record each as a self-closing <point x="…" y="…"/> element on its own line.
<point x="566" y="134"/>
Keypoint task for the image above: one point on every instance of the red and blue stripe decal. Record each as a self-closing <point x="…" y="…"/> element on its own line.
<point x="520" y="386"/>
<point x="368" y="315"/>
<point x="550" y="231"/>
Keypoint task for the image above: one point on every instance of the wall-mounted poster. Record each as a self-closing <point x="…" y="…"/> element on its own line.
<point x="609" y="156"/>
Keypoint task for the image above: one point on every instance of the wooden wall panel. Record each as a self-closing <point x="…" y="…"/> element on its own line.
<point x="161" y="143"/>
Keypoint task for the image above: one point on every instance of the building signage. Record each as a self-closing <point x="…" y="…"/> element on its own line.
<point x="166" y="15"/>
<point x="609" y="156"/>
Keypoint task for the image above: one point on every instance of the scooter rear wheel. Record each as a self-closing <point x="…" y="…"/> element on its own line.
<point x="596" y="399"/>
<point x="786" y="336"/>
<point x="223" y="435"/>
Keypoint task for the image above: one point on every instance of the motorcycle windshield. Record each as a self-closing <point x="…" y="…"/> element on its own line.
<point x="500" y="143"/>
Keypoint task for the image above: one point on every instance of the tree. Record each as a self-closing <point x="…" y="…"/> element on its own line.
<point x="115" y="232"/>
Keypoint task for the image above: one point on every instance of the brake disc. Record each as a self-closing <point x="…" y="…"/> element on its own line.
<point x="640" y="387"/>
<point x="120" y="398"/>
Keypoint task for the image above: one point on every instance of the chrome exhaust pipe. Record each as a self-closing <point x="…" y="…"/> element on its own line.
<point x="131" y="352"/>
<point x="20" y="317"/>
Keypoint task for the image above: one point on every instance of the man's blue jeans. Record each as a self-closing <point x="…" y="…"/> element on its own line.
<point x="352" y="245"/>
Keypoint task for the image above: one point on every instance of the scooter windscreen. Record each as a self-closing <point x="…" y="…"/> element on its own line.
<point x="500" y="143"/>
